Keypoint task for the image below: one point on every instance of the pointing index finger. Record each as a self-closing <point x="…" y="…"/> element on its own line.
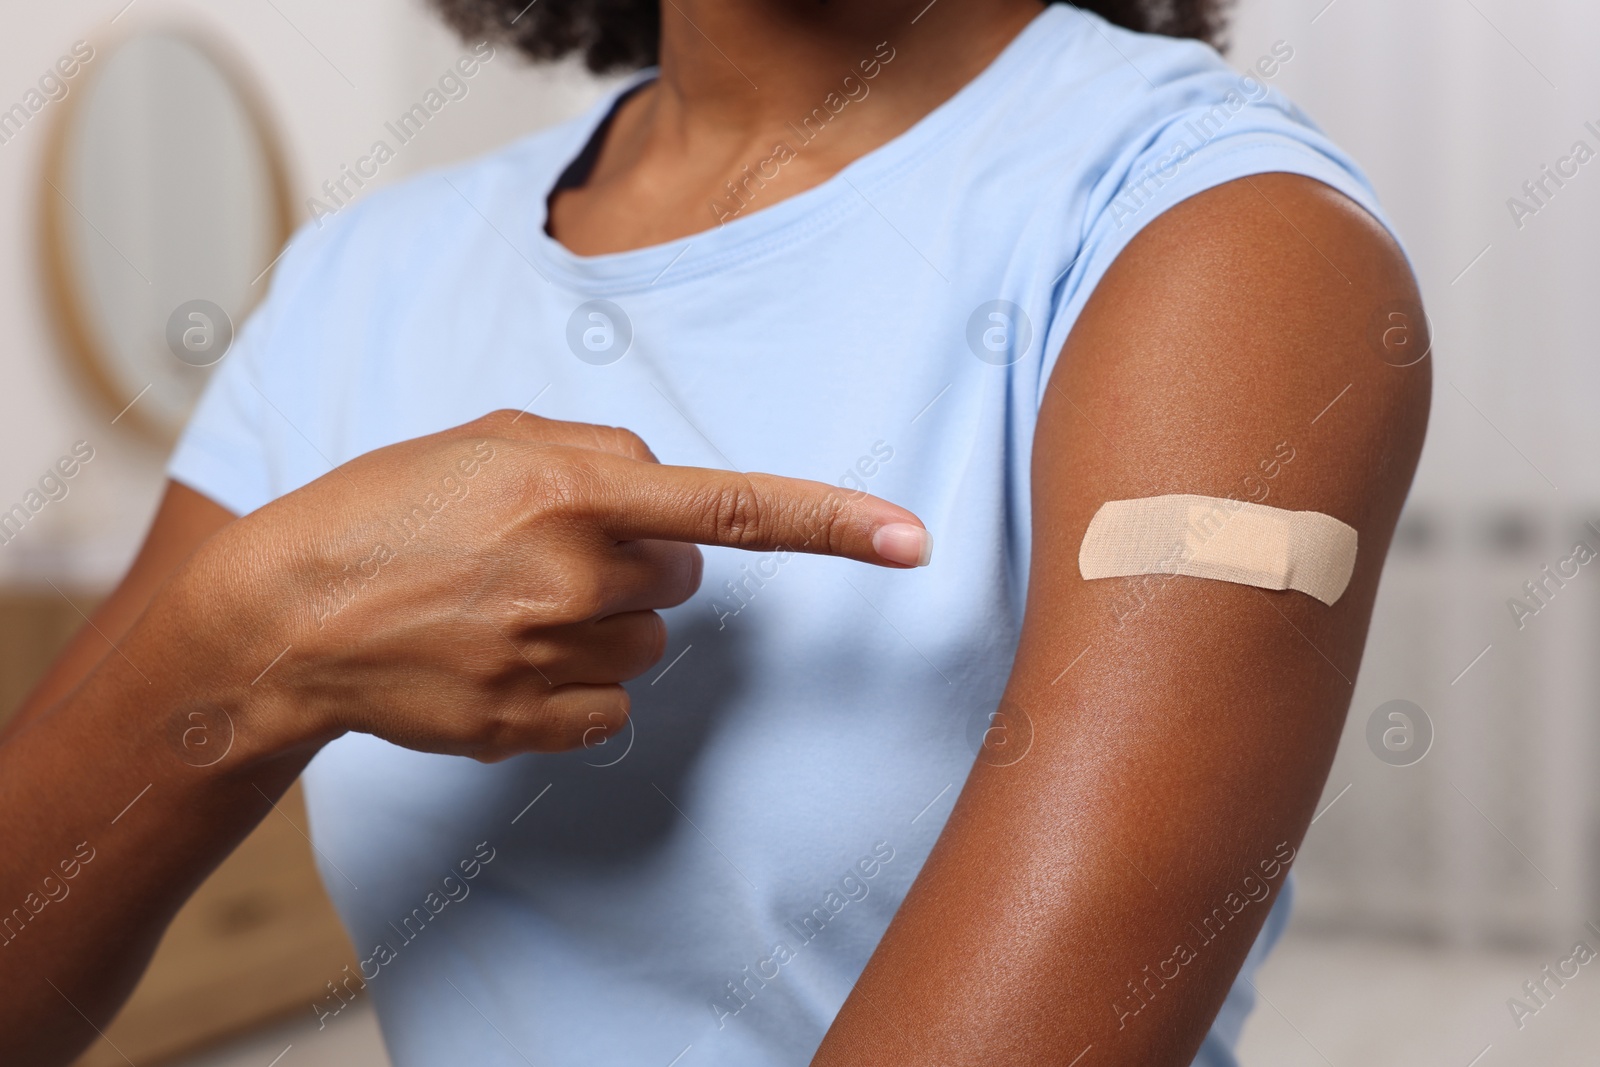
<point x="762" y="512"/>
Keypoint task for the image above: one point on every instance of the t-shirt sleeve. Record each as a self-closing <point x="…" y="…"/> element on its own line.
<point x="1183" y="139"/>
<point x="224" y="451"/>
<point x="221" y="453"/>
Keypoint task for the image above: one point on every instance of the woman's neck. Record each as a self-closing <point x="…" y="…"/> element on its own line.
<point x="738" y="82"/>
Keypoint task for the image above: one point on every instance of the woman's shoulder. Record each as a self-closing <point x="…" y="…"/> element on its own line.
<point x="1098" y="83"/>
<point x="1123" y="124"/>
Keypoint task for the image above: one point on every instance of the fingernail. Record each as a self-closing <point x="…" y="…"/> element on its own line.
<point x="903" y="543"/>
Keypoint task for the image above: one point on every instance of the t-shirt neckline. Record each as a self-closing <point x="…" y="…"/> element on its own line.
<point x="761" y="229"/>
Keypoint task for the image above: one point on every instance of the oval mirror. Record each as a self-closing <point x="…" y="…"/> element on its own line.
<point x="165" y="202"/>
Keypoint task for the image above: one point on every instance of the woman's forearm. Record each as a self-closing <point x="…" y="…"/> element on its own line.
<point x="507" y="625"/>
<point x="115" y="804"/>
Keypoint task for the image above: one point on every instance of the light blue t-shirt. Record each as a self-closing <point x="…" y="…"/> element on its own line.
<point x="709" y="884"/>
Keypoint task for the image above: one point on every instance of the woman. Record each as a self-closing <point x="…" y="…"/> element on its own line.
<point x="1000" y="263"/>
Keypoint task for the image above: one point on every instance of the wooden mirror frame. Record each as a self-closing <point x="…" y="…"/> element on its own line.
<point x="68" y="304"/>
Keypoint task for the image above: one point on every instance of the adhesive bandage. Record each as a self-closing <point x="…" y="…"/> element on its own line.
<point x="1229" y="540"/>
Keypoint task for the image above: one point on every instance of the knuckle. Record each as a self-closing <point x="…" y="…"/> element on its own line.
<point x="618" y="440"/>
<point x="652" y="642"/>
<point x="561" y="483"/>
<point x="693" y="571"/>
<point x="539" y="648"/>
<point x="825" y="524"/>
<point x="495" y="735"/>
<point x="563" y="598"/>
<point x="562" y="725"/>
<point x="735" y="514"/>
<point x="632" y="445"/>
<point x="579" y="596"/>
<point x="514" y="726"/>
<point x="604" y="719"/>
<point x="499" y="421"/>
<point x="548" y="722"/>
<point x="819" y="522"/>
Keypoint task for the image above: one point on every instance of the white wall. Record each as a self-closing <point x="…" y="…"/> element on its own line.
<point x="1448" y="106"/>
<point x="333" y="73"/>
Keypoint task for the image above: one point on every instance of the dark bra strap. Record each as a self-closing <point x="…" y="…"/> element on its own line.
<point x="576" y="175"/>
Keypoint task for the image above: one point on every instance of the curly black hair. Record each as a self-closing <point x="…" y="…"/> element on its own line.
<point x="615" y="35"/>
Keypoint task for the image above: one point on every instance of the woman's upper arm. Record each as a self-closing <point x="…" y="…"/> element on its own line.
<point x="183" y="521"/>
<point x="1181" y="728"/>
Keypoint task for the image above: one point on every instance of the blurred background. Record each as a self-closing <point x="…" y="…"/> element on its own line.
<point x="153" y="149"/>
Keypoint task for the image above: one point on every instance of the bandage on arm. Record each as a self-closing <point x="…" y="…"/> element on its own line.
<point x="1228" y="540"/>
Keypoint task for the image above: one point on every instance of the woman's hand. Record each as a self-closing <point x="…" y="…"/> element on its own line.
<point x="481" y="591"/>
<point x="485" y="591"/>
